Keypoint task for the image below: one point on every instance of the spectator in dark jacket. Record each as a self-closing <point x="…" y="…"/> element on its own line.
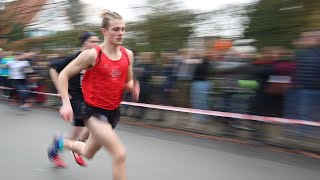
<point x="303" y="100"/>
<point x="273" y="72"/>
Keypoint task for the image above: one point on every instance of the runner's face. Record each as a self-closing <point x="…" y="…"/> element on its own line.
<point x="115" y="31"/>
<point x="91" y="42"/>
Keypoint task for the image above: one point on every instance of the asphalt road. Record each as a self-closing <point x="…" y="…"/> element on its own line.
<point x="152" y="154"/>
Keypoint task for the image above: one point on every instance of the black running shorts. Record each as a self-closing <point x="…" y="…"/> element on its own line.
<point x="77" y="107"/>
<point x="110" y="116"/>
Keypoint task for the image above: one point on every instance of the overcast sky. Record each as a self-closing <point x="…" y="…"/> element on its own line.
<point x="227" y="28"/>
<point x="124" y="7"/>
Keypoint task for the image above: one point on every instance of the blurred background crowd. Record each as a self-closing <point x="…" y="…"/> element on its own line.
<point x="260" y="58"/>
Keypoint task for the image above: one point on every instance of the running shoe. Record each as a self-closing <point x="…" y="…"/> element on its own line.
<point x="78" y="159"/>
<point x="57" y="145"/>
<point x="58" y="162"/>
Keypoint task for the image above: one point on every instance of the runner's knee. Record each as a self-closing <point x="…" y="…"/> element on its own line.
<point x="88" y="155"/>
<point x="120" y="155"/>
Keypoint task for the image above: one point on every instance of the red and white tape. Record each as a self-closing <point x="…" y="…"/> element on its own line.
<point x="227" y="114"/>
<point x="210" y="113"/>
<point x="35" y="92"/>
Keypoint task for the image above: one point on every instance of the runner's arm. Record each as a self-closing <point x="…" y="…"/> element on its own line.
<point x="130" y="79"/>
<point x="85" y="60"/>
<point x="54" y="77"/>
<point x="132" y="84"/>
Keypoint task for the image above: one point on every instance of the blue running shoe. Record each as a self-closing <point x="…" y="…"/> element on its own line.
<point x="56" y="146"/>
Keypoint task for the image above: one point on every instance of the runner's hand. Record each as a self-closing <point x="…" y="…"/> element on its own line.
<point x="66" y="112"/>
<point x="135" y="91"/>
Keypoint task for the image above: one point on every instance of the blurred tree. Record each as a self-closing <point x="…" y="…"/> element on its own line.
<point x="275" y="22"/>
<point x="13" y="17"/>
<point x="76" y="11"/>
<point x="16" y="32"/>
<point x="165" y="25"/>
<point x="312" y="10"/>
<point x="26" y="43"/>
<point x="67" y="39"/>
